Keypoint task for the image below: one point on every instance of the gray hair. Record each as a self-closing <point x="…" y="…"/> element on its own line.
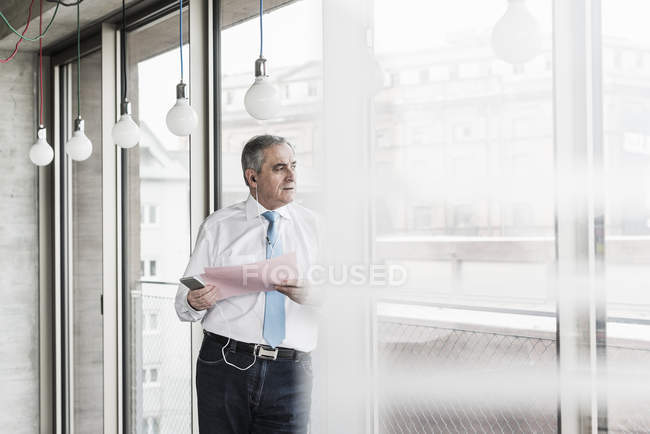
<point x="252" y="156"/>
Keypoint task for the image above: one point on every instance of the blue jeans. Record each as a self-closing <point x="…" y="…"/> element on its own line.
<point x="272" y="396"/>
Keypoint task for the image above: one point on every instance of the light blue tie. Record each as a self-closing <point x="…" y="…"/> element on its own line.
<point x="274" y="318"/>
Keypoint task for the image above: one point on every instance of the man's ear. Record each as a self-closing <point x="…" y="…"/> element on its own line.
<point x="251" y="177"/>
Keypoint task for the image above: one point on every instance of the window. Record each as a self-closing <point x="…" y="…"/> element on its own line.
<point x="627" y="195"/>
<point x="447" y="215"/>
<point x="151" y="425"/>
<point x="150" y="322"/>
<point x="158" y="240"/>
<point x="149" y="267"/>
<point x="149" y="215"/>
<point x="86" y="252"/>
<point x="150" y="376"/>
<point x="298" y="68"/>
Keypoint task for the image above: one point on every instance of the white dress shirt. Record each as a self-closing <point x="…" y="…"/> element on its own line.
<point x="236" y="235"/>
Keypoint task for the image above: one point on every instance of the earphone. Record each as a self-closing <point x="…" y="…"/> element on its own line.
<point x="223" y="317"/>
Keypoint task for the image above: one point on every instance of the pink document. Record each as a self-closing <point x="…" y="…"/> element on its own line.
<point x="248" y="278"/>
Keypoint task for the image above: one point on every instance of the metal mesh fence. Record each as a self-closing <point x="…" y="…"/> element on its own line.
<point x="422" y="350"/>
<point x="629" y="389"/>
<point x="160" y="366"/>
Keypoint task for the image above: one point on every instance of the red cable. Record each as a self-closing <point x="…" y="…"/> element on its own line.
<point x="29" y="18"/>
<point x="40" y="61"/>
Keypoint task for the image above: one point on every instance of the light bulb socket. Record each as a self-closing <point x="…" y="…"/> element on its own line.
<point x="42" y="132"/>
<point x="125" y="107"/>
<point x="78" y="124"/>
<point x="181" y="90"/>
<point x="260" y="67"/>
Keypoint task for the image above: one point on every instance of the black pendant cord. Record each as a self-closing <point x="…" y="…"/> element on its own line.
<point x="123" y="53"/>
<point x="78" y="65"/>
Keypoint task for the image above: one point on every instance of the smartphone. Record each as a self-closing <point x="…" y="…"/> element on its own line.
<point x="192" y="282"/>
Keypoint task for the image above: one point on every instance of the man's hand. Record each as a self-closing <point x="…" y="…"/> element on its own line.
<point x="297" y="290"/>
<point x="204" y="298"/>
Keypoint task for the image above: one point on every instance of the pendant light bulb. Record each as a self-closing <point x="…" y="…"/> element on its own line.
<point x="126" y="133"/>
<point x="517" y="37"/>
<point x="181" y="118"/>
<point x="262" y="100"/>
<point x="41" y="153"/>
<point x="79" y="147"/>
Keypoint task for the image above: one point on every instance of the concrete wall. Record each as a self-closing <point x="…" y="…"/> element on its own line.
<point x="19" y="350"/>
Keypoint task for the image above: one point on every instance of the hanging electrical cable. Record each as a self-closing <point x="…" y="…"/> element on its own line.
<point x="65" y="4"/>
<point x="79" y="147"/>
<point x="40" y="64"/>
<point x="41" y="153"/>
<point x="41" y="35"/>
<point x="262" y="99"/>
<point x="125" y="132"/>
<point x="181" y="118"/>
<point x="29" y="19"/>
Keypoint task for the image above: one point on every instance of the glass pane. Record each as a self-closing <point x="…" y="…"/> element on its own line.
<point x="295" y="65"/>
<point x="86" y="230"/>
<point x="159" y="345"/>
<point x="626" y="106"/>
<point x="464" y="203"/>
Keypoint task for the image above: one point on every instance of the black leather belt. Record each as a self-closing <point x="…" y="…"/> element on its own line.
<point x="261" y="351"/>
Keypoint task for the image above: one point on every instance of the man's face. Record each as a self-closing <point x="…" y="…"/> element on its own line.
<point x="276" y="180"/>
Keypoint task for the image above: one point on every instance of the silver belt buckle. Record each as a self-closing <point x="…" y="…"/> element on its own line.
<point x="264" y="352"/>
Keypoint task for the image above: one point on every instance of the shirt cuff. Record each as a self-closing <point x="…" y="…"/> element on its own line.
<point x="196" y="314"/>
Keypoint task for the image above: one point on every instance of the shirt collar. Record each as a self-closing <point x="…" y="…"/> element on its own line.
<point x="252" y="208"/>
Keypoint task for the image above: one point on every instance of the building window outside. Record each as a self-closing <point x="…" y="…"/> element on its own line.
<point x="148" y="267"/>
<point x="151" y="323"/>
<point x="149" y="214"/>
<point x="151" y="425"/>
<point x="150" y="376"/>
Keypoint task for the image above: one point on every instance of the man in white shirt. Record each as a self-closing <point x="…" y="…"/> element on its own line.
<point x="254" y="368"/>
